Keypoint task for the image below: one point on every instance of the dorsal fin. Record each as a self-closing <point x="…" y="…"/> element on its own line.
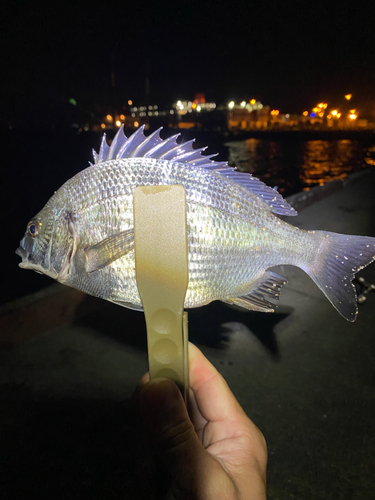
<point x="153" y="146"/>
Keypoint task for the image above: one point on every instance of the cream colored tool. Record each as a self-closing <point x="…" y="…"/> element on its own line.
<point x="161" y="266"/>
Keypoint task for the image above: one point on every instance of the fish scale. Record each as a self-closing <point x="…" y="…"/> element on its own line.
<point x="212" y="203"/>
<point x="84" y="237"/>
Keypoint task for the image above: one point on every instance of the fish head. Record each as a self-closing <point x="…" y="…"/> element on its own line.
<point x="36" y="246"/>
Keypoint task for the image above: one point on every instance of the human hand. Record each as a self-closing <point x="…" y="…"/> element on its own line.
<point x="216" y="453"/>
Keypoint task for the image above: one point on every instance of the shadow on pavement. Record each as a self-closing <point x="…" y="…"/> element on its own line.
<point x="209" y="326"/>
<point x="67" y="448"/>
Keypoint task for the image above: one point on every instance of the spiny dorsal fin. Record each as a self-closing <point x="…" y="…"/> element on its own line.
<point x="153" y="146"/>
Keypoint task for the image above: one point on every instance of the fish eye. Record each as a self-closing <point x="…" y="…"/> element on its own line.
<point x="33" y="228"/>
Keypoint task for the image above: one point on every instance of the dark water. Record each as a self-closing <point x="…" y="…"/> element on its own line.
<point x="294" y="166"/>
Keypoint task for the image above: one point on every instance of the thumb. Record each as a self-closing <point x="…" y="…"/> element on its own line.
<point x="172" y="433"/>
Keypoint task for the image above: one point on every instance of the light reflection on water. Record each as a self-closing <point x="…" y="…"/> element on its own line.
<point x="294" y="166"/>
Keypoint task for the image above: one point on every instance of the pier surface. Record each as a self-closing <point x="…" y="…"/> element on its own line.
<point x="69" y="364"/>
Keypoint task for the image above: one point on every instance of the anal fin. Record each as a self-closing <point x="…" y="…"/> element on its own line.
<point x="268" y="286"/>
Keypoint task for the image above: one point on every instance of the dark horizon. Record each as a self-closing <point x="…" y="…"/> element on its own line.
<point x="288" y="56"/>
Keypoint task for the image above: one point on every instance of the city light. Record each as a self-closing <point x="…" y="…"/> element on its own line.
<point x="130" y="102"/>
<point x="348" y="97"/>
<point x="241" y="115"/>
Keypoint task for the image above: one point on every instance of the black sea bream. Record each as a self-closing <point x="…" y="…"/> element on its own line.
<point x="84" y="236"/>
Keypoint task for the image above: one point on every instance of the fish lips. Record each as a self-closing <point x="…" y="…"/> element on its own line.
<point x="24" y="256"/>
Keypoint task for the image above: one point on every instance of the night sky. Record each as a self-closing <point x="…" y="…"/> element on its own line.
<point x="289" y="54"/>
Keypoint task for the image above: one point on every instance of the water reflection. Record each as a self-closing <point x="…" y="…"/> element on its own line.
<point x="294" y="166"/>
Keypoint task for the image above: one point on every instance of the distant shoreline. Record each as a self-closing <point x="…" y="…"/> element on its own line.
<point x="301" y="135"/>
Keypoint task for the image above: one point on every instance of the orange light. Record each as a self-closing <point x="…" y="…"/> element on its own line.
<point x="275" y="112"/>
<point x="136" y="124"/>
<point x="316" y="110"/>
<point x="305" y="113"/>
<point x="194" y="106"/>
<point x="353" y="116"/>
<point x="118" y="123"/>
<point x="103" y="125"/>
<point x="334" y="112"/>
<point x="253" y="101"/>
<point x="109" y="118"/>
<point x="338" y="115"/>
<point x="352" y="111"/>
<point x="130" y="102"/>
<point x="122" y="117"/>
<point x="321" y="114"/>
<point x="348" y="97"/>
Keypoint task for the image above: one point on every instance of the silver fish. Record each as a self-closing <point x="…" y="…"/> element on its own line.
<point x="84" y="238"/>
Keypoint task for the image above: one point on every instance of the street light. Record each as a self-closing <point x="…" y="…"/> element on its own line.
<point x="348" y="97"/>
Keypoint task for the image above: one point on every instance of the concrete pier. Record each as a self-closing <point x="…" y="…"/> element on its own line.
<point x="69" y="364"/>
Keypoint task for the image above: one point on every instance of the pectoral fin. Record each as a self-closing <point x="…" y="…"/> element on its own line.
<point x="107" y="251"/>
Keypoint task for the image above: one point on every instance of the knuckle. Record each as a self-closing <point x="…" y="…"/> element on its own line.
<point x="176" y="434"/>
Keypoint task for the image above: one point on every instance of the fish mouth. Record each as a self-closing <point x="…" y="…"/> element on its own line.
<point x="24" y="256"/>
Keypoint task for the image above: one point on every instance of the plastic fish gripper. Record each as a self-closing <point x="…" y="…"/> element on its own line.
<point x="161" y="267"/>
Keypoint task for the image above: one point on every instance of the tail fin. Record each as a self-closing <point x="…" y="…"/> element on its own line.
<point x="338" y="259"/>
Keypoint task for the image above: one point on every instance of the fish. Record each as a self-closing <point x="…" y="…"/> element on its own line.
<point x="84" y="235"/>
